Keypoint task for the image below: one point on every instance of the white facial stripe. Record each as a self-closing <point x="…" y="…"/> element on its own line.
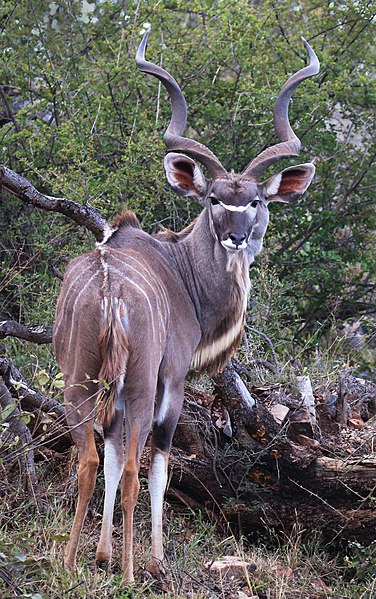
<point x="232" y="208"/>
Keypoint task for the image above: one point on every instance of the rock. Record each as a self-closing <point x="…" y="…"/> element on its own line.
<point x="279" y="412"/>
<point x="283" y="572"/>
<point x="231" y="567"/>
<point x="307" y="441"/>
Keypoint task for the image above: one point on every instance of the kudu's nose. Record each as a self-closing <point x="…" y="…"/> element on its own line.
<point x="236" y="238"/>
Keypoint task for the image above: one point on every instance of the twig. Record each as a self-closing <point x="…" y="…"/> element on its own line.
<point x="269" y="342"/>
<point x="18" y="387"/>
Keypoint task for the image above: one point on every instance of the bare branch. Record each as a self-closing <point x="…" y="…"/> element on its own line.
<point x="38" y="334"/>
<point x="268" y="341"/>
<point x="86" y="215"/>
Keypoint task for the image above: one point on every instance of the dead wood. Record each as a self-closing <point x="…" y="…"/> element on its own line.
<point x="248" y="456"/>
<point x="37" y="334"/>
<point x="48" y="425"/>
<point x="16" y="444"/>
<point x="266" y="472"/>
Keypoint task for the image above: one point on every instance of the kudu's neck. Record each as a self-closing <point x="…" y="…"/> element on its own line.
<point x="218" y="284"/>
<point x="204" y="265"/>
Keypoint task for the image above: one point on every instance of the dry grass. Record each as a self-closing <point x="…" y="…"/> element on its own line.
<point x="31" y="548"/>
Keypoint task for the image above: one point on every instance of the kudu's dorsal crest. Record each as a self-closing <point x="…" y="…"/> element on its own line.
<point x="232" y="199"/>
<point x="135" y="314"/>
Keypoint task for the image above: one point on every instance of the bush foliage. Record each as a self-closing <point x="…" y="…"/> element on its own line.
<point x="78" y="120"/>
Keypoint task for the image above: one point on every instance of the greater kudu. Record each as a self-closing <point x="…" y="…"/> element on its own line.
<point x="138" y="311"/>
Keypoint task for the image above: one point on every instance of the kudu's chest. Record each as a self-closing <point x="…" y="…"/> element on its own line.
<point x="223" y="322"/>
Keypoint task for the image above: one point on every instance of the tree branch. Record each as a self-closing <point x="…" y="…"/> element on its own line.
<point x="86" y="215"/>
<point x="38" y="334"/>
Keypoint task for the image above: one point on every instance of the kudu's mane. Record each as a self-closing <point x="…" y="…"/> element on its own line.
<point x="127" y="218"/>
<point x="167" y="235"/>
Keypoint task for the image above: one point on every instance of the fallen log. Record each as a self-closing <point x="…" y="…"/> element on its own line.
<point x="254" y="471"/>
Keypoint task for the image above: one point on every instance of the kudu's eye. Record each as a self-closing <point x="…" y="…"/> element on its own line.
<point x="214" y="201"/>
<point x="254" y="203"/>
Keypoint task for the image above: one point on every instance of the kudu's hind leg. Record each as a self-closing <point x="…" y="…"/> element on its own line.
<point x="88" y="461"/>
<point x="113" y="470"/>
<point x="138" y="422"/>
<point x="169" y="405"/>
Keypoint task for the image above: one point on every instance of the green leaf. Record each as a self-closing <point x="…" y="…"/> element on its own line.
<point x="7" y="412"/>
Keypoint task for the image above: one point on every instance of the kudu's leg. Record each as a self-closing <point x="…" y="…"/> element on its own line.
<point x="113" y="470"/>
<point x="169" y="405"/>
<point x="83" y="437"/>
<point x="138" y="420"/>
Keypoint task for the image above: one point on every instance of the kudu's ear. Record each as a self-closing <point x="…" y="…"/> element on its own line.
<point x="289" y="183"/>
<point x="184" y="176"/>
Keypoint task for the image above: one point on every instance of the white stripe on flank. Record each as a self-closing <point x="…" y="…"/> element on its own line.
<point x="148" y="301"/>
<point x="75" y="304"/>
<point x="66" y="297"/>
<point x="149" y="274"/>
<point x="138" y="272"/>
<point x="142" y="291"/>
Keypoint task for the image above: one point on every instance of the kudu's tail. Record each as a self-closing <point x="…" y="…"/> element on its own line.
<point x="113" y="345"/>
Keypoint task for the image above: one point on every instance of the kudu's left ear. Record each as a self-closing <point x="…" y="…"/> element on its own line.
<point x="289" y="183"/>
<point x="185" y="176"/>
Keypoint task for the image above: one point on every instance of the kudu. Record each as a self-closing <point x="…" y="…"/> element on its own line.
<point x="136" y="313"/>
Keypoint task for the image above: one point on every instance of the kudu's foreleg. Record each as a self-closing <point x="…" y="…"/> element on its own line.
<point x="113" y="470"/>
<point x="87" y="473"/>
<point x="170" y="401"/>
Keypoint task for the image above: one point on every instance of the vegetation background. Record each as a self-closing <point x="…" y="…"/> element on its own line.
<point x="79" y="121"/>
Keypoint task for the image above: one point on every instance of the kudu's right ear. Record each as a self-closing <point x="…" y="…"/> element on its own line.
<point x="185" y="176"/>
<point x="289" y="183"/>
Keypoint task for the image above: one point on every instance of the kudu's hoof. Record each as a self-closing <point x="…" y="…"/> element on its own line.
<point x="102" y="564"/>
